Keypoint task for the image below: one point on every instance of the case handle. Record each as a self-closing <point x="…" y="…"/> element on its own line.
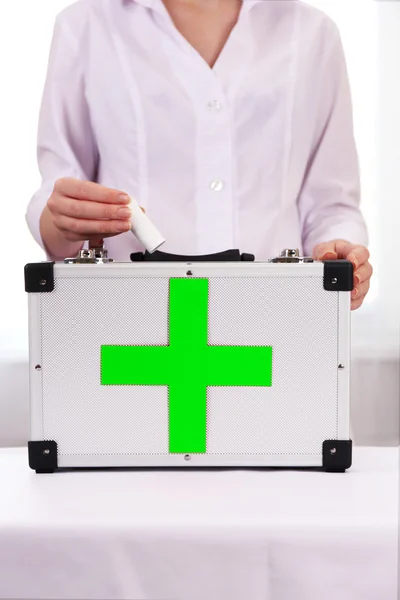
<point x="226" y="256"/>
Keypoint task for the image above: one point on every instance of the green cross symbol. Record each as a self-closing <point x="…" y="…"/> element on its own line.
<point x="187" y="365"/>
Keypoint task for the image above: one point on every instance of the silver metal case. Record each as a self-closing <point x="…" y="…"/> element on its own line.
<point x="301" y="419"/>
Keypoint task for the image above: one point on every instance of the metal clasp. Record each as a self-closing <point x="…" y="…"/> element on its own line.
<point x="290" y="255"/>
<point x="95" y="254"/>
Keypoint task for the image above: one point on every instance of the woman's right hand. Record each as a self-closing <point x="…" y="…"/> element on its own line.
<point x="85" y="211"/>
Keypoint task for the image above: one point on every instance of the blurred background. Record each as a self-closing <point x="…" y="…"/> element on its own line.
<point x="370" y="33"/>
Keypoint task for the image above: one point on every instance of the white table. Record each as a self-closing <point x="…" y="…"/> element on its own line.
<point x="200" y="535"/>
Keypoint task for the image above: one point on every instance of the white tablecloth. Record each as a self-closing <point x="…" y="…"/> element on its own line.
<point x="200" y="535"/>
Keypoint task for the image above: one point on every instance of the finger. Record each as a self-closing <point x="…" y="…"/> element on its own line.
<point x="325" y="251"/>
<point x="94" y="239"/>
<point x="98" y="228"/>
<point x="356" y="304"/>
<point x="361" y="290"/>
<point x="343" y="248"/>
<point x="82" y="209"/>
<point x="87" y="190"/>
<point x="363" y="273"/>
<point x="358" y="256"/>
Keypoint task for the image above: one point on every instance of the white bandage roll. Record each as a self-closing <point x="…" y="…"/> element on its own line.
<point x="147" y="234"/>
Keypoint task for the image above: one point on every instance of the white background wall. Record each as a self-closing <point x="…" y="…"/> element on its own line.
<point x="370" y="32"/>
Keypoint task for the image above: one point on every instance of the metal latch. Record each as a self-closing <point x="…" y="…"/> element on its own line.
<point x="97" y="253"/>
<point x="291" y="256"/>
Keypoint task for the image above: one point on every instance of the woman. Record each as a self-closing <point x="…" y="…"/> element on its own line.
<point x="229" y="120"/>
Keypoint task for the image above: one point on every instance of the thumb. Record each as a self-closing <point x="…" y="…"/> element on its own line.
<point x="326" y="251"/>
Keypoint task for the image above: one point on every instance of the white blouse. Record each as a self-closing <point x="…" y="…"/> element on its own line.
<point x="256" y="153"/>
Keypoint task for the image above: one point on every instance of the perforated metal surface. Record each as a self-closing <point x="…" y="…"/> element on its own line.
<point x="299" y="320"/>
<point x="78" y="318"/>
<point x="294" y="315"/>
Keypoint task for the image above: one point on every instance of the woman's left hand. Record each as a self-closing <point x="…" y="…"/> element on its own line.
<point x="358" y="256"/>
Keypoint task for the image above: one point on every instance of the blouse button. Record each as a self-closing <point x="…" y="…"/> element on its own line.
<point x="217" y="185"/>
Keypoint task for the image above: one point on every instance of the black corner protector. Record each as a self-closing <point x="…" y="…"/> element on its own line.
<point x="43" y="456"/>
<point x="39" y="277"/>
<point x="337" y="455"/>
<point x="338" y="276"/>
<point x="137" y="256"/>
